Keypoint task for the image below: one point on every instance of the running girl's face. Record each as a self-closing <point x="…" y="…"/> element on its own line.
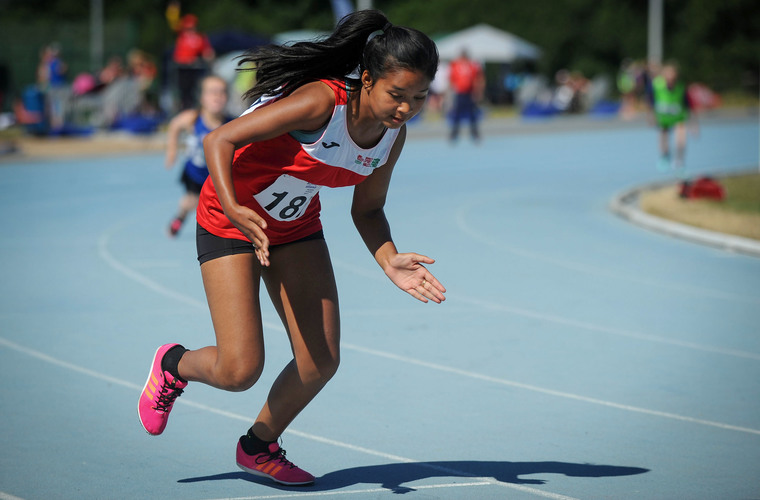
<point x="670" y="74"/>
<point x="396" y="97"/>
<point x="214" y="95"/>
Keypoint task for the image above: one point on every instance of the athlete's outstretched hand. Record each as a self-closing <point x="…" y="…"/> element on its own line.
<point x="252" y="226"/>
<point x="408" y="273"/>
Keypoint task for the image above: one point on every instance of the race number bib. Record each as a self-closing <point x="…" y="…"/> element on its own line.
<point x="287" y="198"/>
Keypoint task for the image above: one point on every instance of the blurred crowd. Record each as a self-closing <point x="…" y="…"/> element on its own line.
<point x="60" y="104"/>
<point x="137" y="92"/>
<point x="132" y="91"/>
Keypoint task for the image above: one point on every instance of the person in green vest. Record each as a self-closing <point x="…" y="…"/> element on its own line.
<point x="672" y="108"/>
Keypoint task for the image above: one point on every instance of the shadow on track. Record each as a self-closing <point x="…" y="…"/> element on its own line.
<point x="393" y="476"/>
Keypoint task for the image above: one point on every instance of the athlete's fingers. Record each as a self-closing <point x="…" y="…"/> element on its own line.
<point x="434" y="283"/>
<point x="430" y="291"/>
<point x="263" y="257"/>
<point x="418" y="293"/>
<point x="258" y="220"/>
<point x="421" y="259"/>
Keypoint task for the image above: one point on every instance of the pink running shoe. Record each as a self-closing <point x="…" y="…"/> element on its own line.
<point x="158" y="395"/>
<point x="175" y="226"/>
<point x="273" y="465"/>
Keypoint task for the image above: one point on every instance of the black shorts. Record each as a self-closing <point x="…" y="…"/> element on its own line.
<point x="190" y="185"/>
<point x="212" y="247"/>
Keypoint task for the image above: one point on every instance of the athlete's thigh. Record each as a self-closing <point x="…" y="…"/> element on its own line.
<point x="232" y="286"/>
<point x="301" y="284"/>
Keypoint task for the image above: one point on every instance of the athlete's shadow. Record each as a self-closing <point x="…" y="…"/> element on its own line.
<point x="393" y="476"/>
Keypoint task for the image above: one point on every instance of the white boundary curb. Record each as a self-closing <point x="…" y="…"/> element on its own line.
<point x="626" y="205"/>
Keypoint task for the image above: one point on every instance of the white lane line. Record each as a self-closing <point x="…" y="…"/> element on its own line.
<point x="246" y="418"/>
<point x="525" y="489"/>
<point x="604" y="329"/>
<point x="350" y="492"/>
<point x="7" y="496"/>
<point x="551" y="392"/>
<point x="103" y="249"/>
<point x="461" y="221"/>
<point x="541" y="316"/>
<point x="104" y="254"/>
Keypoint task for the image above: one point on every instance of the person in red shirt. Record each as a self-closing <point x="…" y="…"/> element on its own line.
<point x="192" y="52"/>
<point x="466" y="79"/>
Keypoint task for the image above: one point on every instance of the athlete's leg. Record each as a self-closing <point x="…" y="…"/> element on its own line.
<point x="302" y="286"/>
<point x="664" y="163"/>
<point x="187" y="204"/>
<point x="456" y="117"/>
<point x="472" y="111"/>
<point x="232" y="290"/>
<point x="665" y="141"/>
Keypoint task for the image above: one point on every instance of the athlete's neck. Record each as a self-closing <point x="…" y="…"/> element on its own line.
<point x="363" y="126"/>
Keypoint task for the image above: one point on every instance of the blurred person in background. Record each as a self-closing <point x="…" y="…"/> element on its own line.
<point x="112" y="71"/>
<point x="467" y="82"/>
<point x="51" y="78"/>
<point x="672" y="109"/>
<point x="627" y="85"/>
<point x="192" y="54"/>
<point x="194" y="125"/>
<point x="439" y="89"/>
<point x="143" y="71"/>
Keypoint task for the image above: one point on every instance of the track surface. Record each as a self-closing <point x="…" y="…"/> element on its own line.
<point x="577" y="356"/>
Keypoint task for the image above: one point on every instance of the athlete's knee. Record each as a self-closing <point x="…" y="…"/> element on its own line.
<point x="329" y="366"/>
<point x="321" y="368"/>
<point x="240" y="375"/>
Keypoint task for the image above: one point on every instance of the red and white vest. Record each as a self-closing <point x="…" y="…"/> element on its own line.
<point x="280" y="178"/>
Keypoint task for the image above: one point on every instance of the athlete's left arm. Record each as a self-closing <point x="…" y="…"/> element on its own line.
<point x="406" y="270"/>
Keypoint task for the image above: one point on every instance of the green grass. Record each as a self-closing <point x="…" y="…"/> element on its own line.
<point x="13" y="132"/>
<point x="742" y="193"/>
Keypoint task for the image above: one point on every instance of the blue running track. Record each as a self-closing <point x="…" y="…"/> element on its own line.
<point x="577" y="356"/>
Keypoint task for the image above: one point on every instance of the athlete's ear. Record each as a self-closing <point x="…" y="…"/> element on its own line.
<point x="367" y="81"/>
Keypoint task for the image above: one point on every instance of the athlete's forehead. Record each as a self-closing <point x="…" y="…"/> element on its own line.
<point x="404" y="80"/>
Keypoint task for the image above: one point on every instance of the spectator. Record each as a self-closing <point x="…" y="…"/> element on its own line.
<point x="143" y="71"/>
<point x="192" y="53"/>
<point x="51" y="77"/>
<point x="112" y="71"/>
<point x="627" y="85"/>
<point x="467" y="82"/>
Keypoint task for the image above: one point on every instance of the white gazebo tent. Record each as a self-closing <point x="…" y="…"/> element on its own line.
<point x="487" y="44"/>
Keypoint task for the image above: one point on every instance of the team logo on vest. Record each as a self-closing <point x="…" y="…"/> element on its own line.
<point x="366" y="161"/>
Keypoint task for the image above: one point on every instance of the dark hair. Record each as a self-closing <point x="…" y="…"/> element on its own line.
<point x="285" y="68"/>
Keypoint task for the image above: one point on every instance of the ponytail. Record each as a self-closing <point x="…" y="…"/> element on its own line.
<point x="363" y="39"/>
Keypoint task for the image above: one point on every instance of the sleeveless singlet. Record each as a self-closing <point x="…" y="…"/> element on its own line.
<point x="280" y="178"/>
<point x="669" y="106"/>
<point x="195" y="165"/>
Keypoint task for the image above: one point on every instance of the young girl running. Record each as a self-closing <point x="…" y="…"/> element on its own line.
<point x="194" y="124"/>
<point x="258" y="219"/>
<point x="672" y="109"/>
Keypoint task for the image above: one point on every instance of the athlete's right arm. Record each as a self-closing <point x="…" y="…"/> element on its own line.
<point x="307" y="108"/>
<point x="183" y="121"/>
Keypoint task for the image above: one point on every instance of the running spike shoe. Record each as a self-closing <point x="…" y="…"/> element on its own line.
<point x="274" y="465"/>
<point x="158" y="396"/>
